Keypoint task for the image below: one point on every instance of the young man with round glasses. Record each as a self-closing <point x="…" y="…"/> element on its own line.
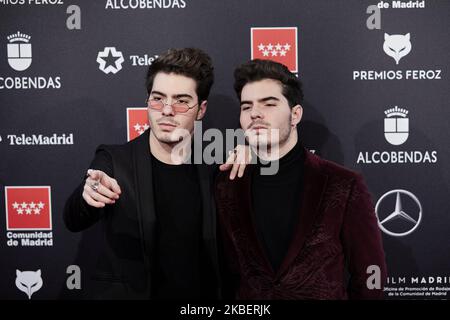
<point x="157" y="211"/>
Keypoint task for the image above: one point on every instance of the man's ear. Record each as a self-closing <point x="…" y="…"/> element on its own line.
<point x="202" y="110"/>
<point x="297" y="114"/>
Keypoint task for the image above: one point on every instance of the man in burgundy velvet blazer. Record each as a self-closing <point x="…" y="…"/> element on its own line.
<point x="310" y="230"/>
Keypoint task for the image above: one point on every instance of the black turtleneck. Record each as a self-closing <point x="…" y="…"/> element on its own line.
<point x="178" y="205"/>
<point x="276" y="203"/>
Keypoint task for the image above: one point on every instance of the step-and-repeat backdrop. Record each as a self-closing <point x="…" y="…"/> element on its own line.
<point x="377" y="90"/>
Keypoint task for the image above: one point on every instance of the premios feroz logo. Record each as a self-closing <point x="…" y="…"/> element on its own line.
<point x="398" y="47"/>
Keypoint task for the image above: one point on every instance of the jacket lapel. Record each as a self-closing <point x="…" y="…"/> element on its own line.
<point x="313" y="188"/>
<point x="144" y="193"/>
<point x="209" y="212"/>
<point x="247" y="215"/>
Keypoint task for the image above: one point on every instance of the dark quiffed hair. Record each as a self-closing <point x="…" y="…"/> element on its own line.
<point x="258" y="69"/>
<point x="189" y="62"/>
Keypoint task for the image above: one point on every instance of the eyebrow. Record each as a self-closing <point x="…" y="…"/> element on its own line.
<point x="176" y="96"/>
<point x="265" y="99"/>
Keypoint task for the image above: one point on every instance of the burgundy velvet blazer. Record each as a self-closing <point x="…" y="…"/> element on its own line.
<point x="336" y="239"/>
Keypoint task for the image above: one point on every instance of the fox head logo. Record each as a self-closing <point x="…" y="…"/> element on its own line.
<point x="28" y="281"/>
<point x="397" y="45"/>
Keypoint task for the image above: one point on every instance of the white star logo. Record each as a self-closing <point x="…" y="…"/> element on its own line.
<point x="32" y="205"/>
<point x="102" y="55"/>
<point x="37" y="211"/>
<point x="15" y="205"/>
<point x="28" y="211"/>
<point x="140" y="128"/>
<point x="40" y="205"/>
<point x="137" y="127"/>
<point x="20" y="211"/>
<point x="24" y="205"/>
<point x="271" y="50"/>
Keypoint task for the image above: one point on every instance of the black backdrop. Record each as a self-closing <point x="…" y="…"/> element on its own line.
<point x="64" y="92"/>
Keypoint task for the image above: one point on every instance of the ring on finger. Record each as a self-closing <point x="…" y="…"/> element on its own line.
<point x="94" y="186"/>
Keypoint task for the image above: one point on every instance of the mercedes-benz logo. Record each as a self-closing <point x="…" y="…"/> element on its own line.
<point x="399" y="213"/>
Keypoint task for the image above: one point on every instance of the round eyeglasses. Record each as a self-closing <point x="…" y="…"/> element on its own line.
<point x="178" y="106"/>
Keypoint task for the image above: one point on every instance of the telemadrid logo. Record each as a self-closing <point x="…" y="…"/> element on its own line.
<point x="107" y="54"/>
<point x="410" y="220"/>
<point x="110" y="60"/>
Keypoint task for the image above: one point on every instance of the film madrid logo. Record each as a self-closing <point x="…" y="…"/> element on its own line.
<point x="28" y="216"/>
<point x="396" y="133"/>
<point x="397" y="48"/>
<point x="278" y="44"/>
<point x="414" y="286"/>
<point x="20" y="59"/>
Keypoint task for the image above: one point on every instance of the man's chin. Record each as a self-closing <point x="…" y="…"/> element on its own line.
<point x="260" y="146"/>
<point x="170" y="137"/>
<point x="258" y="140"/>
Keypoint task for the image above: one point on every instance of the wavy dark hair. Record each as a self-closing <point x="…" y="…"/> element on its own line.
<point x="190" y="62"/>
<point x="256" y="70"/>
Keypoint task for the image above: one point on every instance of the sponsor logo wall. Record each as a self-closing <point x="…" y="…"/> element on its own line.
<point x="376" y="100"/>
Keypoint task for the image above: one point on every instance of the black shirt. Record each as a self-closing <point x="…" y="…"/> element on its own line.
<point x="276" y="203"/>
<point x="178" y="207"/>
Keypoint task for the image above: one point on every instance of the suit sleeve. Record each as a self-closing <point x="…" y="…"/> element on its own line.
<point x="227" y="264"/>
<point x="228" y="260"/>
<point x="78" y="214"/>
<point x="362" y="242"/>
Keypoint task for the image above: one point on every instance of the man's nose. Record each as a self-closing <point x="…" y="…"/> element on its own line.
<point x="167" y="110"/>
<point x="256" y="113"/>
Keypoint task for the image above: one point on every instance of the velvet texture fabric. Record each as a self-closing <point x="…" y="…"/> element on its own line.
<point x="336" y="239"/>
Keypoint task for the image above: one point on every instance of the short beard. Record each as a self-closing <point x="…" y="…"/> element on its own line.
<point x="267" y="145"/>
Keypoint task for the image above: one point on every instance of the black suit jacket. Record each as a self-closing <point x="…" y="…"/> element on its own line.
<point x="124" y="266"/>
